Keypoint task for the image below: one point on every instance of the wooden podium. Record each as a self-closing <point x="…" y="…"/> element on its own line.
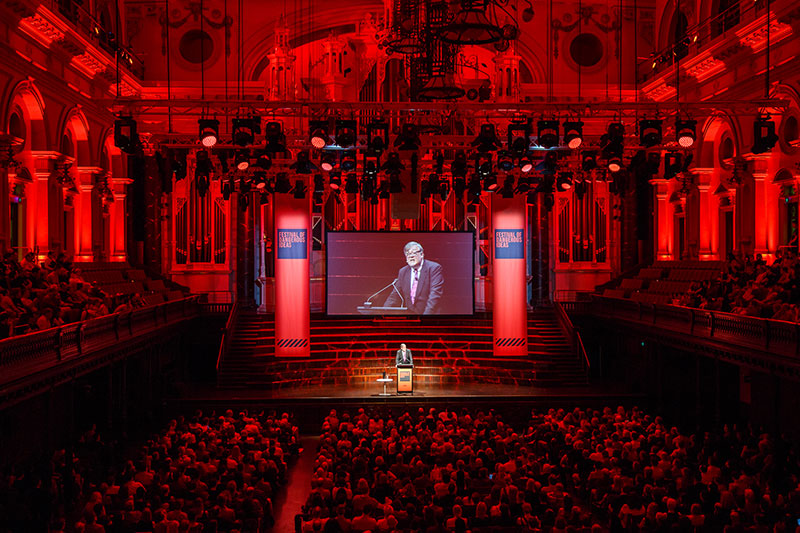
<point x="405" y="379"/>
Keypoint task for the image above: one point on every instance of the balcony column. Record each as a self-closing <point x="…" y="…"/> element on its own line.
<point x="39" y="217"/>
<point x="708" y="224"/>
<point x="766" y="207"/>
<point x="663" y="225"/>
<point x="83" y="214"/>
<point x="117" y="223"/>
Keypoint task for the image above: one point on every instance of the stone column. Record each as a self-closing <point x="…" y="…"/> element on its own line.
<point x="117" y="223"/>
<point x="708" y="224"/>
<point x="662" y="228"/>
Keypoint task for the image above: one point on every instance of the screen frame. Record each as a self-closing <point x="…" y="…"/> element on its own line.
<point x="356" y="232"/>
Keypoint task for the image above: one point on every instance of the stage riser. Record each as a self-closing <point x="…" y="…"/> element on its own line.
<point x="356" y="352"/>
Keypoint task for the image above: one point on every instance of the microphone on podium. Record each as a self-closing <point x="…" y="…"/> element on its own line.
<point x="368" y="302"/>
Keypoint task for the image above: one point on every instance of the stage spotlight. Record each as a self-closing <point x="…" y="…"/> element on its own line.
<point x="245" y="130"/>
<point x="348" y="161"/>
<point x="564" y="182"/>
<point x="504" y="161"/>
<point x="299" y="191"/>
<point x="242" y="159"/>
<point x="650" y="132"/>
<point x="282" y="183"/>
<point x="328" y="160"/>
<point x="276" y="139"/>
<point x="209" y="131"/>
<point x="483" y="164"/>
<point x="303" y="164"/>
<point x="259" y="178"/>
<point x="573" y="134"/>
<point x="125" y="136"/>
<point x="588" y="160"/>
<point x="525" y="164"/>
<point x="519" y="138"/>
<point x="408" y="138"/>
<point x="487" y="140"/>
<point x="377" y="137"/>
<point x="458" y="168"/>
<point x="614" y="163"/>
<point x="764" y="137"/>
<point x="318" y="133"/>
<point x="672" y="164"/>
<point x="346" y="133"/>
<point x="351" y="184"/>
<point x="548" y="133"/>
<point x="507" y="190"/>
<point x="335" y="180"/>
<point x="685" y="131"/>
<point x="393" y="164"/>
<point x="264" y="161"/>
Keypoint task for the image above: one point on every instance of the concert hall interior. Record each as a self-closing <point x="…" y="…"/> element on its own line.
<point x="399" y="265"/>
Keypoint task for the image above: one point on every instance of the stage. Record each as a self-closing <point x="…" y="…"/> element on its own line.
<point x="311" y="403"/>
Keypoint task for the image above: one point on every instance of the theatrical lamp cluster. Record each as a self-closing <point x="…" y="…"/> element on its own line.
<point x="527" y="163"/>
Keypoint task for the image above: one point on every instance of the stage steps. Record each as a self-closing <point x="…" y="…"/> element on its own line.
<point x="355" y="352"/>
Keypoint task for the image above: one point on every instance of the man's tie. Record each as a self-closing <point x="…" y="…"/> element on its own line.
<point x="414" y="280"/>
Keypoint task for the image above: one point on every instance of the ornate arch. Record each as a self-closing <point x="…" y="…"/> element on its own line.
<point x="77" y="127"/>
<point x="713" y="132"/>
<point x="26" y="97"/>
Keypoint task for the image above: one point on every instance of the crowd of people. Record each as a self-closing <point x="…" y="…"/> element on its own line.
<point x="751" y="287"/>
<point x="579" y="470"/>
<point x="204" y="473"/>
<point x="41" y="295"/>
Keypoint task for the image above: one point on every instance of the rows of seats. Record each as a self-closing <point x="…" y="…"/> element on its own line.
<point x="664" y="281"/>
<point x="578" y="470"/>
<point x="119" y="279"/>
<point x="208" y="472"/>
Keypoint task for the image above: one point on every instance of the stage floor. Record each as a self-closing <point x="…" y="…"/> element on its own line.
<point x="464" y="393"/>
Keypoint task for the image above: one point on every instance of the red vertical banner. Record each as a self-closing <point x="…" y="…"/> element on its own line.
<point x="292" y="249"/>
<point x="510" y="316"/>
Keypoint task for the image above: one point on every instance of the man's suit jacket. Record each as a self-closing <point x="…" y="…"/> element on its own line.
<point x="398" y="360"/>
<point x="429" y="289"/>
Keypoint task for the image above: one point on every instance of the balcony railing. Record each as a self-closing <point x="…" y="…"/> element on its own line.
<point x="701" y="35"/>
<point x="774" y="337"/>
<point x="25" y="355"/>
<point x="89" y="25"/>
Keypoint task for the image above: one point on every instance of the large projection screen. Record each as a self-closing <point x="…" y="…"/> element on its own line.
<point x="361" y="267"/>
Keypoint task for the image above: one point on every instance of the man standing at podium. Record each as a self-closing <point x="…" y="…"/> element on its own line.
<point x="403" y="356"/>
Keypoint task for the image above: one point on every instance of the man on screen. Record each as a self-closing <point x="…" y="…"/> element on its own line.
<point x="420" y="282"/>
<point x="403" y="356"/>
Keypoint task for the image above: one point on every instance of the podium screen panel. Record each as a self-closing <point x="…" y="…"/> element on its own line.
<point x="373" y="273"/>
